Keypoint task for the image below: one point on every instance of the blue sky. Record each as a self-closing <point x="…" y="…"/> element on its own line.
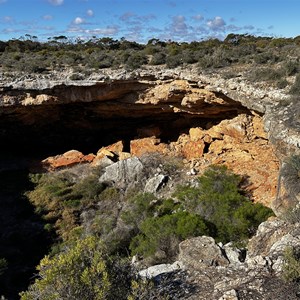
<point x="141" y="20"/>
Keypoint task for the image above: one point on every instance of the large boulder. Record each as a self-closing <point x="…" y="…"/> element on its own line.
<point x="124" y="172"/>
<point x="201" y="252"/>
<point x="67" y="159"/>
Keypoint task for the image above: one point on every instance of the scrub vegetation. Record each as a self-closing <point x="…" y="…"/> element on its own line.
<point x="99" y="227"/>
<point x="265" y="59"/>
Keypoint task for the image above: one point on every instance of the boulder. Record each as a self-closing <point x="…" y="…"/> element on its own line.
<point x="123" y="172"/>
<point x="67" y="159"/>
<point x="147" y="145"/>
<point x="194" y="149"/>
<point x="156" y="270"/>
<point x="155" y="183"/>
<point x="201" y="252"/>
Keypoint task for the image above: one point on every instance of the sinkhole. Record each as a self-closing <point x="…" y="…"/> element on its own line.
<point x="31" y="133"/>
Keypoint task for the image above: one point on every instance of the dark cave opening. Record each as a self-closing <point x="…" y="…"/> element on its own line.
<point x="30" y="134"/>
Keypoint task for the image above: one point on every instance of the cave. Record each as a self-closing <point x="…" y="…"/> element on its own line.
<point x="30" y="133"/>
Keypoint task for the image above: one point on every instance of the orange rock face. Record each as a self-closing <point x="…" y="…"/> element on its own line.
<point x="239" y="143"/>
<point x="67" y="159"/>
<point x="147" y="145"/>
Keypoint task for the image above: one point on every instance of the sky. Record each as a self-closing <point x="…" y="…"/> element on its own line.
<point x="142" y="20"/>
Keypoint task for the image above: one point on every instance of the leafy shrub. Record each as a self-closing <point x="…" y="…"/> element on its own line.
<point x="218" y="200"/>
<point x="60" y="197"/>
<point x="158" y="58"/>
<point x="291" y="67"/>
<point x="163" y="234"/>
<point x="291" y="267"/>
<point x="135" y="60"/>
<point x="173" y="61"/>
<point x="80" y="272"/>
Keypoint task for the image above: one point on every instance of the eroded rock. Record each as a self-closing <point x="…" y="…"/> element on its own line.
<point x="201" y="252"/>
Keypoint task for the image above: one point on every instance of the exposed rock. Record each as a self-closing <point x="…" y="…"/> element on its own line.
<point x="102" y="162"/>
<point x="192" y="149"/>
<point x="123" y="172"/>
<point x="147" y="145"/>
<point x="110" y="151"/>
<point x="156" y="270"/>
<point x="201" y="252"/>
<point x="230" y="295"/>
<point x="233" y="254"/>
<point x="67" y="159"/>
<point x="155" y="183"/>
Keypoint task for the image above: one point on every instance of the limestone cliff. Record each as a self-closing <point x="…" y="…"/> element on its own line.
<point x="205" y="119"/>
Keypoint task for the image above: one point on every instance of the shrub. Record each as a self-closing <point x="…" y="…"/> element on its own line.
<point x="80" y="272"/>
<point x="61" y="196"/>
<point x="218" y="200"/>
<point x="295" y="88"/>
<point x="265" y="74"/>
<point x="173" y="61"/>
<point x="291" y="267"/>
<point x="158" y="58"/>
<point x="291" y="67"/>
<point x="135" y="60"/>
<point x="163" y="234"/>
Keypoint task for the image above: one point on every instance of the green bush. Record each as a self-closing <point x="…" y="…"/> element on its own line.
<point x="219" y="201"/>
<point x="80" y="272"/>
<point x="291" y="267"/>
<point x="163" y="234"/>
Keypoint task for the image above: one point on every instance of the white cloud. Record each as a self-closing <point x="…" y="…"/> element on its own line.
<point x="198" y="17"/>
<point x="47" y="17"/>
<point x="56" y="2"/>
<point x="178" y="24"/>
<point x="78" y="21"/>
<point x="216" y="24"/>
<point x="109" y="30"/>
<point x="2" y="1"/>
<point x="90" y="12"/>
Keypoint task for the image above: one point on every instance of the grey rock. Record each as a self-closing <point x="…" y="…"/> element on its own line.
<point x="155" y="183"/>
<point x="201" y="252"/>
<point x="123" y="172"/>
<point x="156" y="270"/>
<point x="230" y="295"/>
<point x="233" y="254"/>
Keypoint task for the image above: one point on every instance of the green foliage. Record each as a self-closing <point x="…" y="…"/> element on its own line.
<point x="291" y="267"/>
<point x="140" y="207"/>
<point x="60" y="197"/>
<point x="218" y="200"/>
<point x="163" y="234"/>
<point x="80" y="272"/>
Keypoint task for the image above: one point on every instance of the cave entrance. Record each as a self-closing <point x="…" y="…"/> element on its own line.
<point x="40" y="131"/>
